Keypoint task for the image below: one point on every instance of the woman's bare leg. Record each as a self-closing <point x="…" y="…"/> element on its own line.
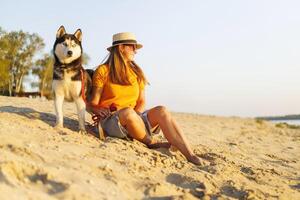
<point x="136" y="128"/>
<point x="159" y="115"/>
<point x="134" y="125"/>
<point x="194" y="159"/>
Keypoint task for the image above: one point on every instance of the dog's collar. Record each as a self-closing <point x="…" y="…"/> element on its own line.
<point x="67" y="66"/>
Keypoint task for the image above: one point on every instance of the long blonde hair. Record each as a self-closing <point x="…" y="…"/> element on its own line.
<point x="118" y="68"/>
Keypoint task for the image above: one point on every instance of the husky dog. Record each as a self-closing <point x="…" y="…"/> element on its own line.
<point x="69" y="77"/>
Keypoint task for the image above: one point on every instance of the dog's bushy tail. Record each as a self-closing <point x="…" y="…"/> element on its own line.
<point x="90" y="72"/>
<point x="88" y="83"/>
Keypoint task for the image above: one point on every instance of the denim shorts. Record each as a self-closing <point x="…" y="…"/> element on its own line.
<point x="113" y="128"/>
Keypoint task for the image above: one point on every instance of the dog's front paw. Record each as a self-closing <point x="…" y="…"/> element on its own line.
<point x="60" y="129"/>
<point x="83" y="132"/>
<point x="58" y="126"/>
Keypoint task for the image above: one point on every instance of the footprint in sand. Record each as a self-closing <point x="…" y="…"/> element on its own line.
<point x="247" y="170"/>
<point x="212" y="157"/>
<point x="250" y="174"/>
<point x="166" y="191"/>
<point x="209" y="169"/>
<point x="18" y="173"/>
<point x="215" y="161"/>
<point x="229" y="189"/>
<point x="196" y="188"/>
<point x="22" y="151"/>
<point x="53" y="187"/>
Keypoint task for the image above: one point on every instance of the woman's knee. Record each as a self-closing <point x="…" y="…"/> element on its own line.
<point x="162" y="111"/>
<point x="127" y="115"/>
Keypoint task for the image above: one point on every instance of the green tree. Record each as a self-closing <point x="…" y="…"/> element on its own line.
<point x="4" y="64"/>
<point x="17" y="51"/>
<point x="44" y="70"/>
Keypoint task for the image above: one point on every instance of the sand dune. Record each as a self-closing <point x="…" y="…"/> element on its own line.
<point x="248" y="159"/>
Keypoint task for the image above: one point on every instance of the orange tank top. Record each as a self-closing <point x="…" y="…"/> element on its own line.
<point x="121" y="95"/>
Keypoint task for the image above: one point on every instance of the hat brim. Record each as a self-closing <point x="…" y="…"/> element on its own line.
<point x="138" y="46"/>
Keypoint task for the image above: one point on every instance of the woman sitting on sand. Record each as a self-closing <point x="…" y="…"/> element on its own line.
<point x="120" y="82"/>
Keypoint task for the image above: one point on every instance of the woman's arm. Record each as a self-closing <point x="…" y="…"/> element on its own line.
<point x="141" y="102"/>
<point x="92" y="107"/>
<point x="96" y="95"/>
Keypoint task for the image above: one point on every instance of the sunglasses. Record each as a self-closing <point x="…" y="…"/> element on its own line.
<point x="133" y="46"/>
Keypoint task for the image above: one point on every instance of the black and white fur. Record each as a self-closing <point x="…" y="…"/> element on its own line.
<point x="67" y="83"/>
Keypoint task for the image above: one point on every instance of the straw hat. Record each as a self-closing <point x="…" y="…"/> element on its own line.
<point x="124" y="38"/>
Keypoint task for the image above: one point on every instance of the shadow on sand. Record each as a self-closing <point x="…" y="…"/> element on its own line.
<point x="48" y="118"/>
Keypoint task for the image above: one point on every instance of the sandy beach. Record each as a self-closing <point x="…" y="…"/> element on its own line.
<point x="249" y="159"/>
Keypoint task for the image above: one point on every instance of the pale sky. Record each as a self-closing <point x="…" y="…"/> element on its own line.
<point x="218" y="57"/>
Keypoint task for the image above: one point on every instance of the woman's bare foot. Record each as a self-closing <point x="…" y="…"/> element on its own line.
<point x="155" y="144"/>
<point x="196" y="160"/>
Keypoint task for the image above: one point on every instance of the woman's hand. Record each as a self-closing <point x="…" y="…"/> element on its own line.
<point x="102" y="112"/>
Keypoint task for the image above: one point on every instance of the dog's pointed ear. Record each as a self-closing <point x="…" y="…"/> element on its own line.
<point x="78" y="34"/>
<point x="60" y="32"/>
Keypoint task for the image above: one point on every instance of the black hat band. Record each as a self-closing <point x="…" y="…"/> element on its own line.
<point x="124" y="42"/>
